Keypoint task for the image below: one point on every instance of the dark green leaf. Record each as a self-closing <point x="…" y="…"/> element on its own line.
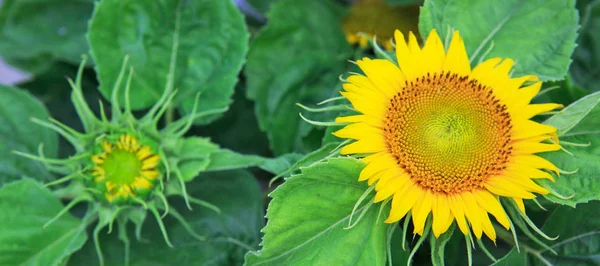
<point x="194" y="155"/>
<point x="24" y="208"/>
<point x="585" y="69"/>
<point x="226" y="159"/>
<point x="307" y="217"/>
<point x="538" y="34"/>
<point x="35" y="32"/>
<point x="237" y="195"/>
<point x="579" y="231"/>
<point x="18" y="133"/>
<point x="404" y="2"/>
<point x="295" y="58"/>
<point x="513" y="258"/>
<point x="202" y="43"/>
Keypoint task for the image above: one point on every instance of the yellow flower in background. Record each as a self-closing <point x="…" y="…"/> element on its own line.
<point x="442" y="138"/>
<point x="376" y="18"/>
<point x="125" y="167"/>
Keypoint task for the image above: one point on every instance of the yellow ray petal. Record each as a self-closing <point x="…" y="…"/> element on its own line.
<point x="526" y="129"/>
<point x="359" y="130"/>
<point x="528" y="148"/>
<point x="491" y="204"/>
<point x="390" y="187"/>
<point x="364" y="146"/>
<point x="433" y="53"/>
<point x="441" y="214"/>
<point x="503" y="187"/>
<point x="457" y="60"/>
<point x="457" y="210"/>
<point x="535" y="162"/>
<point x="403" y="201"/>
<point x="384" y="74"/>
<point x="421" y="210"/>
<point x="371" y="120"/>
<point x="487" y="226"/>
<point x="483" y="71"/>
<point x="367" y="104"/>
<point x="531" y="110"/>
<point x="473" y="212"/>
<point x="520" y="204"/>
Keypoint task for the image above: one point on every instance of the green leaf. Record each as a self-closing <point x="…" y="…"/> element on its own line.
<point x="574" y="120"/>
<point x="35" y="32"/>
<point x="238" y="196"/>
<point x="513" y="258"/>
<point x="199" y="46"/>
<point x="579" y="231"/>
<point x="226" y="160"/>
<point x="399" y="256"/>
<point x="296" y="59"/>
<point x="308" y="214"/>
<point x="18" y="133"/>
<point x="24" y="208"/>
<point x="585" y="67"/>
<point x="583" y="185"/>
<point x="538" y="34"/>
<point x="193" y="155"/>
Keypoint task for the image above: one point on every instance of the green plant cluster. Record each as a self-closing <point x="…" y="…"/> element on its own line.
<point x="217" y="86"/>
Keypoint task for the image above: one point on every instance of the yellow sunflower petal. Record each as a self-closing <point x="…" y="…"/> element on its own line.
<point x="433" y="53"/>
<point x="457" y="60"/>
<point x="403" y="201"/>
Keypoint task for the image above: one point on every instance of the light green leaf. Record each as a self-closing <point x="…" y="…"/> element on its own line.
<point x="193" y="155"/>
<point x="308" y="214"/>
<point x="18" y="133"/>
<point x="583" y="185"/>
<point x="574" y="114"/>
<point x="235" y="193"/>
<point x="24" y="208"/>
<point x="226" y="160"/>
<point x="538" y="34"/>
<point x="513" y="258"/>
<point x="296" y="59"/>
<point x="579" y="231"/>
<point x="35" y="32"/>
<point x="201" y="43"/>
<point x="585" y="67"/>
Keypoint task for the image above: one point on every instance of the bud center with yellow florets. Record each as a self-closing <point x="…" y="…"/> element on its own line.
<point x="125" y="168"/>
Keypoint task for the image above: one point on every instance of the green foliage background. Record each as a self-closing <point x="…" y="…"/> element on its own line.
<point x="248" y="65"/>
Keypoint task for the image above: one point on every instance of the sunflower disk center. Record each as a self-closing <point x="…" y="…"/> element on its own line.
<point x="122" y="167"/>
<point x="448" y="133"/>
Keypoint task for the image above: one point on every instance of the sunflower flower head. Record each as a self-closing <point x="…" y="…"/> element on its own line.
<point x="126" y="166"/>
<point x="444" y="142"/>
<point x="375" y="18"/>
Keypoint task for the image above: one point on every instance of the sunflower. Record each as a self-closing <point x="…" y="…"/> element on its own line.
<point x="439" y="137"/>
<point x="125" y="168"/>
<point x="375" y="18"/>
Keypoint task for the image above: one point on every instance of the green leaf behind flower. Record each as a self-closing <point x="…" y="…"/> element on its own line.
<point x="36" y="32"/>
<point x="579" y="235"/>
<point x="19" y="133"/>
<point x="296" y="58"/>
<point x="513" y="258"/>
<point x="585" y="69"/>
<point x="538" y="34"/>
<point x="202" y="43"/>
<point x="308" y="214"/>
<point x="24" y="209"/>
<point x="579" y="118"/>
